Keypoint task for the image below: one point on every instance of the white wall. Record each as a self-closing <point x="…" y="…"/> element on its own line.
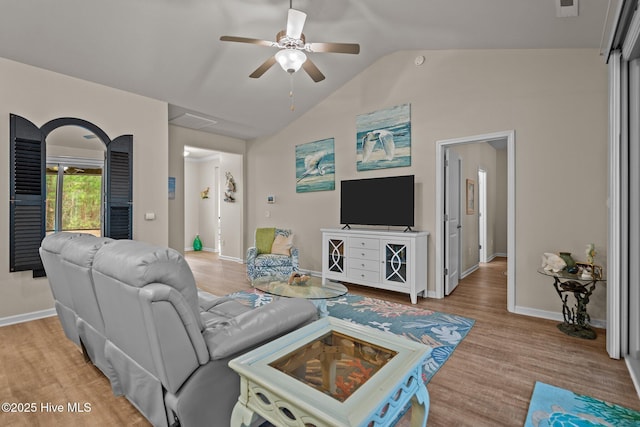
<point x="40" y="96"/>
<point x="208" y="208"/>
<point x="555" y="100"/>
<point x="232" y="214"/>
<point x="201" y="215"/>
<point x="191" y="210"/>
<point x="500" y="234"/>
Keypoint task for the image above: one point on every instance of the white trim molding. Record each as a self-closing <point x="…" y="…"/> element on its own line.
<point x="633" y="365"/>
<point x="613" y="249"/>
<point x="441" y="147"/>
<point x="554" y="315"/>
<point x="469" y="270"/>
<point x="26" y="317"/>
<point x="230" y="258"/>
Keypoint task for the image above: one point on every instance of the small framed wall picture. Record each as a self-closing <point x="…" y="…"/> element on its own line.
<point x="172" y="188"/>
<point x="471" y="198"/>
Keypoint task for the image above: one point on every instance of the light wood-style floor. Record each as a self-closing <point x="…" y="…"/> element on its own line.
<point x="487" y="381"/>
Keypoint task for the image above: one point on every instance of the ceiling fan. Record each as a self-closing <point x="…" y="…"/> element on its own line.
<point x="293" y="45"/>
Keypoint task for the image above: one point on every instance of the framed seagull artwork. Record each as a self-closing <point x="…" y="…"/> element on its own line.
<point x="315" y="166"/>
<point x="384" y="138"/>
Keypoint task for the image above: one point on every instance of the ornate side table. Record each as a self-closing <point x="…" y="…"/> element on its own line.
<point x="576" y="318"/>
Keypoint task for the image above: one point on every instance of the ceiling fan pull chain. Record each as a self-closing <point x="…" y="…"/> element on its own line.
<point x="292" y="107"/>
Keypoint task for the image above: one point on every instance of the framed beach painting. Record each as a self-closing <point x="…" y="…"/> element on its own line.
<point x="384" y="138"/>
<point x="315" y="166"/>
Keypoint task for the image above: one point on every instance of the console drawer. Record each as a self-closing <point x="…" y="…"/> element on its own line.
<point x="363" y="275"/>
<point x="359" y="253"/>
<point x="365" y="264"/>
<point x="364" y="243"/>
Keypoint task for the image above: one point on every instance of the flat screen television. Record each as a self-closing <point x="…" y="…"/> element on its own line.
<point x="378" y="201"/>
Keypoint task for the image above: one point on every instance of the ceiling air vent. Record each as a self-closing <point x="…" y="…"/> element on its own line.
<point x="192" y="121"/>
<point x="566" y="8"/>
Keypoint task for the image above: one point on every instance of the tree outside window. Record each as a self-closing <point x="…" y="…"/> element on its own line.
<point x="74" y="194"/>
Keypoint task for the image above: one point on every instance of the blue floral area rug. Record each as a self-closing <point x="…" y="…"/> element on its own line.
<point x="440" y="331"/>
<point x="556" y="407"/>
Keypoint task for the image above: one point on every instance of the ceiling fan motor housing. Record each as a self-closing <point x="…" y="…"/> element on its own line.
<point x="285" y="41"/>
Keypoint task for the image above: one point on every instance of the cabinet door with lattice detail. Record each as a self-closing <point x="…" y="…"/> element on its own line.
<point x="334" y="257"/>
<point x="395" y="269"/>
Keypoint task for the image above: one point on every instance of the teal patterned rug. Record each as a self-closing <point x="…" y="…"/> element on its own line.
<point x="440" y="331"/>
<point x="556" y="407"/>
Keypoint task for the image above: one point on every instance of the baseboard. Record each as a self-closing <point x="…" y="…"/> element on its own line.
<point x="553" y="315"/>
<point x="432" y="294"/>
<point x="633" y="365"/>
<point x="496" y="255"/>
<point x="190" y="249"/>
<point x="26" y="317"/>
<point x="469" y="271"/>
<point x="229" y="258"/>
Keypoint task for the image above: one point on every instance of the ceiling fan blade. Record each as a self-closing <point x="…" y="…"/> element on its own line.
<point x="353" y="48"/>
<point x="263" y="68"/>
<point x="295" y="23"/>
<point x="313" y="71"/>
<point x="247" y="40"/>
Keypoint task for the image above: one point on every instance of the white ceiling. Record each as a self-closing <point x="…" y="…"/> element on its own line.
<point x="170" y="49"/>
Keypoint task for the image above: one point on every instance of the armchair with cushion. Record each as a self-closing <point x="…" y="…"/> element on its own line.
<point x="273" y="254"/>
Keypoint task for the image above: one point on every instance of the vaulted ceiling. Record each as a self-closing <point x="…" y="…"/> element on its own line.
<point x="170" y="49"/>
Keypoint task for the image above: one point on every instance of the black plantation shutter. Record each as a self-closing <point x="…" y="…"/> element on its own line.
<point x="27" y="195"/>
<point x="119" y="188"/>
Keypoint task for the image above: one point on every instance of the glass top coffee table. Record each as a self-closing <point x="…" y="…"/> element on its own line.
<point x="332" y="373"/>
<point x="313" y="290"/>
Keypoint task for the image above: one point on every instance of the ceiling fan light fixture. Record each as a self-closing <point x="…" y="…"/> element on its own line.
<point x="291" y="59"/>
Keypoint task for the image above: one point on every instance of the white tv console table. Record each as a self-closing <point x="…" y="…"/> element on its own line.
<point x="391" y="260"/>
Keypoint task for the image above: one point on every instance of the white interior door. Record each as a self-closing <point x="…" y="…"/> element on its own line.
<point x="482" y="213"/>
<point x="452" y="220"/>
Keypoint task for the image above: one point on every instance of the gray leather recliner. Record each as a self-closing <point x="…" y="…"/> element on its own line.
<point x="50" y="253"/>
<point x="77" y="261"/>
<point x="167" y="344"/>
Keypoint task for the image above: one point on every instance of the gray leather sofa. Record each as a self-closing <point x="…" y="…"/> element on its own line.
<point x="50" y="252"/>
<point x="163" y="343"/>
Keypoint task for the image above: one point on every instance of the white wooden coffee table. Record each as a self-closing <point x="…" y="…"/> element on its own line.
<point x="332" y="373"/>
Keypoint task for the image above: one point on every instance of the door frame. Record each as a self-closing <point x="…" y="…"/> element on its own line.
<point x="441" y="145"/>
<point x="482" y="214"/>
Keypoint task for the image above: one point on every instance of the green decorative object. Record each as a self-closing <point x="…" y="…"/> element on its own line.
<point x="197" y="243"/>
<point x="568" y="259"/>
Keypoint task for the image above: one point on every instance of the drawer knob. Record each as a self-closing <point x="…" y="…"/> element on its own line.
<point x="362" y="254"/>
<point x="362" y="243"/>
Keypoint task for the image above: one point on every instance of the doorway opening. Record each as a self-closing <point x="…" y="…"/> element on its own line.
<point x="216" y="218"/>
<point x="443" y="257"/>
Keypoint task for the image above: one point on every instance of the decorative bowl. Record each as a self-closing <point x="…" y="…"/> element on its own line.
<point x="297" y="279"/>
